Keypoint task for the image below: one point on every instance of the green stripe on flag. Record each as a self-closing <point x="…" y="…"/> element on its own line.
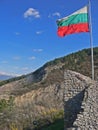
<point x="74" y="19"/>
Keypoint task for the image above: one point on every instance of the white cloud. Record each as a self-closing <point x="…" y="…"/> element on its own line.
<point x="31" y="12"/>
<point x="3" y="73"/>
<point x="54" y="14"/>
<point x="49" y="16"/>
<point x="17" y="33"/>
<point x="39" y="32"/>
<point x="8" y="74"/>
<point x="32" y="58"/>
<point x="37" y="50"/>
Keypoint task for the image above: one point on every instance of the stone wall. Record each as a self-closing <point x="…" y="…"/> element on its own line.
<point x="80" y="102"/>
<point x="88" y="119"/>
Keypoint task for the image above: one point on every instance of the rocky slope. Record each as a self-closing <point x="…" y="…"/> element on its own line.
<point x="76" y="95"/>
<point x="45" y="94"/>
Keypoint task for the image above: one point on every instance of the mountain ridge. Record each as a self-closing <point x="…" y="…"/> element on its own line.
<point x="79" y="61"/>
<point x="47" y="74"/>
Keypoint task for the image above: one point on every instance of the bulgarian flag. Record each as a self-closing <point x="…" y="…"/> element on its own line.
<point x="75" y="23"/>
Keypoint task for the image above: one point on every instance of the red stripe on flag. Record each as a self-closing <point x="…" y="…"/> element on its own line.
<point x="74" y="28"/>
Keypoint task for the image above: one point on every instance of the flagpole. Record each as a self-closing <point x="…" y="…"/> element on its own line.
<point x="91" y="39"/>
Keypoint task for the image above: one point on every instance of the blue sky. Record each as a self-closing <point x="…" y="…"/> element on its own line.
<point x="28" y="33"/>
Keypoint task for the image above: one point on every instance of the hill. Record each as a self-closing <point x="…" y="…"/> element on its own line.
<point x="38" y="97"/>
<point x="79" y="61"/>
